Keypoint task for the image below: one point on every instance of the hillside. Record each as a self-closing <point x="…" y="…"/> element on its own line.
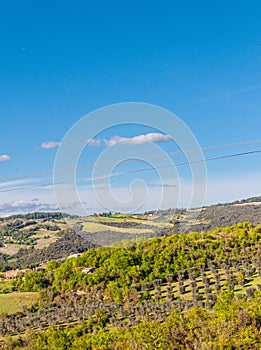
<point x="33" y="239"/>
<point x="165" y="293"/>
<point x="108" y="229"/>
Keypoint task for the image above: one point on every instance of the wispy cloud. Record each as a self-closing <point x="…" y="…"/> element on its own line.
<point x="246" y="89"/>
<point x="15" y="207"/>
<point x="229" y="93"/>
<point x="94" y="142"/>
<point x="220" y="189"/>
<point x="163" y="185"/>
<point x="50" y="144"/>
<point x="16" y="183"/>
<point x="135" y="140"/>
<point x="4" y="158"/>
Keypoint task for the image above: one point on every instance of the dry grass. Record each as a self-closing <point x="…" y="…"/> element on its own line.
<point x="11" y="249"/>
<point x="13" y="302"/>
<point x="42" y="240"/>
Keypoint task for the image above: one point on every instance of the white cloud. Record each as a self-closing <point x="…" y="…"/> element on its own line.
<point x="135" y="140"/>
<point x="4" y="158"/>
<point x="138" y="140"/>
<point x="50" y="144"/>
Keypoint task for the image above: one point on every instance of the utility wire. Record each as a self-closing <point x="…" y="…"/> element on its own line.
<point x="90" y="166"/>
<point x="136" y="171"/>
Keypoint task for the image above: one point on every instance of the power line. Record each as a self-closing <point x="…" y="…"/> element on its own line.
<point x="90" y="166"/>
<point x="136" y="171"/>
<point x="170" y="165"/>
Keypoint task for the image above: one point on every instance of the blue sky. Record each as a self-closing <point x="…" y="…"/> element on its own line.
<point x="60" y="60"/>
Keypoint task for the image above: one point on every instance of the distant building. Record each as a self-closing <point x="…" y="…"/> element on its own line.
<point x="81" y="292"/>
<point x="74" y="255"/>
<point x="88" y="270"/>
<point x="14" y="273"/>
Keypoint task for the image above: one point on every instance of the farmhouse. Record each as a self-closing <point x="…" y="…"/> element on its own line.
<point x="14" y="273"/>
<point x="74" y="255"/>
<point x="88" y="270"/>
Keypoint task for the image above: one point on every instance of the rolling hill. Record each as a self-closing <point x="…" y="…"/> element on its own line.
<point x="36" y="238"/>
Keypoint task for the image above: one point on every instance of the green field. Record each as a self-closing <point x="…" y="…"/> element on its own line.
<point x="13" y="302"/>
<point x="97" y="227"/>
